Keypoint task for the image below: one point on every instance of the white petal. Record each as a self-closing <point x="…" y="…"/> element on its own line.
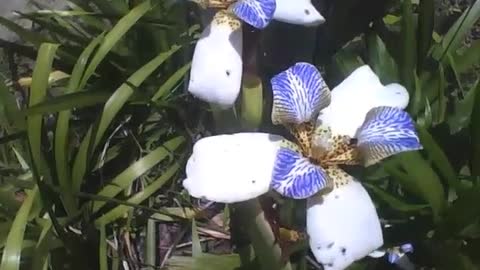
<point x="298" y="12"/>
<point x="216" y="72"/>
<point x="232" y="168"/>
<point x="355" y="96"/>
<point x="343" y="226"/>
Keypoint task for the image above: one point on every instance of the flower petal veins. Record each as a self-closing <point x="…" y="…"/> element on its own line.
<point x="299" y="93"/>
<point x="386" y="131"/>
<point x="295" y="177"/>
<point x="257" y="13"/>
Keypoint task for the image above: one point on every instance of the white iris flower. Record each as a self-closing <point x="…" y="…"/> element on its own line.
<point x="360" y="122"/>
<point x="216" y="72"/>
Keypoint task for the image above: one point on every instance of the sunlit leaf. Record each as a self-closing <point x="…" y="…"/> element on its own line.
<point x="137" y="169"/>
<point x="117" y="32"/>
<point x="139" y="197"/>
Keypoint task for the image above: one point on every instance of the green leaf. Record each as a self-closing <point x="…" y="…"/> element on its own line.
<point x="393" y="201"/>
<point x="9" y="112"/>
<point x="137" y="169"/>
<point x="463" y="211"/>
<point x="463" y="109"/>
<point x="196" y="245"/>
<point x="139" y="197"/>
<point x="438" y="158"/>
<point x="112" y="107"/>
<point x="468" y="57"/>
<point x="206" y="261"/>
<point x="111" y="7"/>
<point x="117" y="32"/>
<point x="28" y="36"/>
<point x="416" y="175"/>
<point x="380" y="59"/>
<point x="13" y="246"/>
<point x="409" y="50"/>
<point x="457" y="33"/>
<point x="475" y="137"/>
<point x="69" y="101"/>
<point x="123" y="93"/>
<point x="62" y="129"/>
<point x="426" y="18"/>
<point x="38" y="92"/>
<point x="102" y="249"/>
<point x="346" y="62"/>
<point x="46" y="242"/>
<point x="168" y="85"/>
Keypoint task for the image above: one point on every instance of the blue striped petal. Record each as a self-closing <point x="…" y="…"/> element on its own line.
<point x="257" y="13"/>
<point x="386" y="131"/>
<point x="295" y="177"/>
<point x="406" y="248"/>
<point x="393" y="257"/>
<point x="299" y="93"/>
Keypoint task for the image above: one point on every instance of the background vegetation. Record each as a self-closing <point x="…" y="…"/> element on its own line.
<point x="94" y="139"/>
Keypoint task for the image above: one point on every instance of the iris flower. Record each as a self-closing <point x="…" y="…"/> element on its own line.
<point x="216" y="72"/>
<point x="360" y="122"/>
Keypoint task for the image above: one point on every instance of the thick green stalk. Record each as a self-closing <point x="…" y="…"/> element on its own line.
<point x="264" y="243"/>
<point x="249" y="216"/>
<point x="252" y="102"/>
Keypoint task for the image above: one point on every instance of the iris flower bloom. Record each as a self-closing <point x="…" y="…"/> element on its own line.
<point x="360" y="122"/>
<point x="216" y="72"/>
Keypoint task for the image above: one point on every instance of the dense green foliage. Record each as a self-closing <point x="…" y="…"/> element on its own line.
<point x="91" y="160"/>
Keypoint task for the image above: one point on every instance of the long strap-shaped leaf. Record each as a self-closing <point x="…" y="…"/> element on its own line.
<point x="112" y="107"/>
<point x="13" y="247"/>
<point x="111" y="39"/>
<point x="139" y="197"/>
<point x="137" y="169"/>
<point x="61" y="132"/>
<point x="38" y="93"/>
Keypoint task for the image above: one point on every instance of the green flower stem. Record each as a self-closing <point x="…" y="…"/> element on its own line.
<point x="252" y="102"/>
<point x="260" y="233"/>
<point x="248" y="217"/>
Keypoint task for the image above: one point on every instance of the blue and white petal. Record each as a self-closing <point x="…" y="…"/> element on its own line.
<point x="257" y="13"/>
<point x="387" y="131"/>
<point x="353" y="98"/>
<point x="216" y="72"/>
<point x="300" y="12"/>
<point x="295" y="177"/>
<point x="343" y="226"/>
<point x="299" y="93"/>
<point x="232" y="168"/>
